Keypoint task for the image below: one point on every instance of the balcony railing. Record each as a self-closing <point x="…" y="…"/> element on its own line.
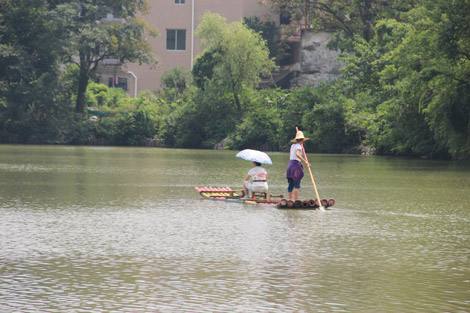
<point x="112" y="62"/>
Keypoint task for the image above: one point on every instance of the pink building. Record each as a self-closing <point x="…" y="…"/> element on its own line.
<point x="176" y="20"/>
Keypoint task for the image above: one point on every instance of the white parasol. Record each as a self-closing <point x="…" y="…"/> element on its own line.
<point x="254" y="156"/>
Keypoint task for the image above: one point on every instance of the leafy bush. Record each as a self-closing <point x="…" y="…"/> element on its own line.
<point x="100" y="95"/>
<point x="176" y="78"/>
<point x="260" y="127"/>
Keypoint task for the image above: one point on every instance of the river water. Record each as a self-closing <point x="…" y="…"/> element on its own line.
<point x="105" y="229"/>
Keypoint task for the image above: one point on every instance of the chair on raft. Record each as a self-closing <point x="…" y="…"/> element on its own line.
<point x="260" y="195"/>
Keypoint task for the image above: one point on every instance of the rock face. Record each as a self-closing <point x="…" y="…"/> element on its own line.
<point x="221" y="145"/>
<point x="317" y="63"/>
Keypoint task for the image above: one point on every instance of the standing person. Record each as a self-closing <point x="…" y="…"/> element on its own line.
<point x="295" y="170"/>
<point x="259" y="180"/>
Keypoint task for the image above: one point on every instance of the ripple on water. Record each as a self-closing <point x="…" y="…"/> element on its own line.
<point x="125" y="233"/>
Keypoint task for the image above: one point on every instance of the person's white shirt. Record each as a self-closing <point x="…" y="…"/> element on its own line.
<point x="258" y="184"/>
<point x="293" y="150"/>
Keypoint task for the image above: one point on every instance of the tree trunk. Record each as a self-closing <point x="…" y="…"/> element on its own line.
<point x="237" y="102"/>
<point x="80" y="106"/>
<point x="365" y="9"/>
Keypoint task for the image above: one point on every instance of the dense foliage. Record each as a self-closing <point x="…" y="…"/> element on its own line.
<point x="408" y="87"/>
<point x="405" y="88"/>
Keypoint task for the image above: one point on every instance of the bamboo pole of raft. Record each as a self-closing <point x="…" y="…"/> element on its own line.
<point x="310" y="172"/>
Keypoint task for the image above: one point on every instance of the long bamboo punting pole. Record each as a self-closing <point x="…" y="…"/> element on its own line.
<point x="310" y="172"/>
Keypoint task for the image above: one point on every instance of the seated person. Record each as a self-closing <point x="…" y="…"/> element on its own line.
<point x="259" y="180"/>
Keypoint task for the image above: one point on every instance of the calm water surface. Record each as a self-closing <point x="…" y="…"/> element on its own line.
<point x="86" y="229"/>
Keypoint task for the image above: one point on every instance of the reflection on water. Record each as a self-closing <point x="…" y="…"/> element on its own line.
<point x="122" y="230"/>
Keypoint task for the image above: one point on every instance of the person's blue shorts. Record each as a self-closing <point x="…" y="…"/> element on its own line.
<point x="292" y="184"/>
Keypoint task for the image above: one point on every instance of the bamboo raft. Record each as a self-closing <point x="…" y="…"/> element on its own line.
<point x="261" y="198"/>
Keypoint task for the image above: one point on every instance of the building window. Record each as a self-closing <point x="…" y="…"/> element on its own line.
<point x="175" y="39"/>
<point x="117" y="82"/>
<point x="180" y="1"/>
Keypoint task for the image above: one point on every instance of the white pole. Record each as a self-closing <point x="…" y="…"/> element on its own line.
<point x="192" y="33"/>
<point x="135" y="83"/>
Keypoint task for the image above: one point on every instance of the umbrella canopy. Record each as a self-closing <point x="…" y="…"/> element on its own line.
<point x="254" y="156"/>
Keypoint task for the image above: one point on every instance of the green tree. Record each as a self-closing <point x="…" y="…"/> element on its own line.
<point x="176" y="78"/>
<point x="374" y="106"/>
<point x="431" y="73"/>
<point x="244" y="56"/>
<point x="356" y="17"/>
<point x="203" y="70"/>
<point x="91" y="37"/>
<point x="270" y="33"/>
<point x="32" y="98"/>
<point x="260" y="128"/>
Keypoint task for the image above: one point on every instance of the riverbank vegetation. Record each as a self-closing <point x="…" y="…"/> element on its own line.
<point x="405" y="88"/>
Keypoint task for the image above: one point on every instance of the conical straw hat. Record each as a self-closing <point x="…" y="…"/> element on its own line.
<point x="299" y="135"/>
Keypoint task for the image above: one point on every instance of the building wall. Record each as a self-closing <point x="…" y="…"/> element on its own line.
<point x="165" y="14"/>
<point x="263" y="11"/>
